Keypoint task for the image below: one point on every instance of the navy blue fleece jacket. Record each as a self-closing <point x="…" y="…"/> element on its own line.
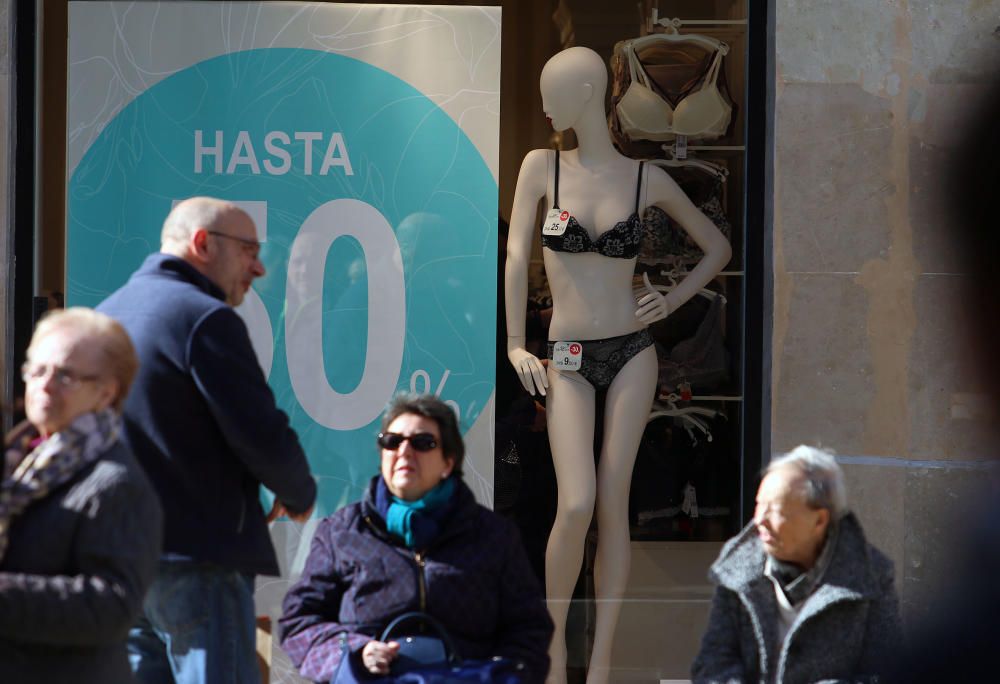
<point x="202" y="420"/>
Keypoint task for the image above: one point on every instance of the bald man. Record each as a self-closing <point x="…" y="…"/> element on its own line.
<point x="204" y="424"/>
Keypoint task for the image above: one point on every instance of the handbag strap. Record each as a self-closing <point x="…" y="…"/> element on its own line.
<point x="428" y="620"/>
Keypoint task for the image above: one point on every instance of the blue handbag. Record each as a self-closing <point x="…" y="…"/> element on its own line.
<point x="421" y="650"/>
<point x="427" y="659"/>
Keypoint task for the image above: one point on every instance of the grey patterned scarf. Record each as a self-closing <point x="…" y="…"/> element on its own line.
<point x="30" y="474"/>
<point x="799" y="585"/>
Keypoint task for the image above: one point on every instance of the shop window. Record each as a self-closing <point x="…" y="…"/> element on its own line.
<point x="696" y="468"/>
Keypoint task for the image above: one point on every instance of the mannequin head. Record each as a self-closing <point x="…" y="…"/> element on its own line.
<point x="572" y="82"/>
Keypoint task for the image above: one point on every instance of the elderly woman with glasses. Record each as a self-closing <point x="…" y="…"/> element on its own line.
<point x="417" y="541"/>
<point x="80" y="525"/>
<point x="801" y="596"/>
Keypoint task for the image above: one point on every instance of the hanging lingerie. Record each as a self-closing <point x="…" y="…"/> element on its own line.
<point x="661" y="95"/>
<point x="644" y="114"/>
<point x="621" y="241"/>
<point x="664" y="239"/>
<point x="702" y="360"/>
<point x="604" y="359"/>
<point x="680" y="474"/>
<point x="674" y="69"/>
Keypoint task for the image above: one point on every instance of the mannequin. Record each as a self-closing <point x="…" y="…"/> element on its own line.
<point x="593" y="300"/>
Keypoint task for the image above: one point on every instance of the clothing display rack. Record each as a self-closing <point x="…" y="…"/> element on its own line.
<point x="720" y="160"/>
<point x="676" y="23"/>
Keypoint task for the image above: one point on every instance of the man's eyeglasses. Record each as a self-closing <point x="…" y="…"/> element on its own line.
<point x="422" y="441"/>
<point x="251" y="247"/>
<point x="64" y="377"/>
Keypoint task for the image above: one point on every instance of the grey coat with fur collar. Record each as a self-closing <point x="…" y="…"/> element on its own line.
<point x="844" y="632"/>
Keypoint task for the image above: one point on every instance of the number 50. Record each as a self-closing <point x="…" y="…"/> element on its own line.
<point x="304" y="315"/>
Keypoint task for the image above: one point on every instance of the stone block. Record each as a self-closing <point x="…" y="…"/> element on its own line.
<point x="824" y="385"/>
<point x="940" y="504"/>
<point x="946" y="421"/>
<point x="832" y="170"/>
<point x="936" y="235"/>
<point x="876" y="494"/>
<point x="850" y="41"/>
<point x="954" y="42"/>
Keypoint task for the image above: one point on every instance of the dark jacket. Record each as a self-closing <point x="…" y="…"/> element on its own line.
<point x="846" y="630"/>
<point x="474" y="578"/>
<point x="202" y="420"/>
<point x="74" y="575"/>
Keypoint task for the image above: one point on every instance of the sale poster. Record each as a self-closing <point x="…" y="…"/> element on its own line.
<point x="363" y="141"/>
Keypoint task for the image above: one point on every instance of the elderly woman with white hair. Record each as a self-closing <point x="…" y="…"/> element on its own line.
<point x="801" y="596"/>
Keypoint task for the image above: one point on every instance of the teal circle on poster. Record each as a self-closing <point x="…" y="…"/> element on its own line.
<point x="314" y="145"/>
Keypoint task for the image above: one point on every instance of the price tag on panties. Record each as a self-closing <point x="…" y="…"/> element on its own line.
<point x="555" y="222"/>
<point x="567" y="355"/>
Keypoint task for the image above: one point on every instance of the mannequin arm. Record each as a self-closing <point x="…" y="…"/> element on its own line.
<point x="531" y="183"/>
<point x="664" y="192"/>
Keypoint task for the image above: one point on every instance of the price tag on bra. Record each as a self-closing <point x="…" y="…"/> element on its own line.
<point x="681" y="147"/>
<point x="555" y="222"/>
<point x="567" y="355"/>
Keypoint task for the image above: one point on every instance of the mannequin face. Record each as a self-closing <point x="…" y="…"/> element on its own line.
<point x="563" y="102"/>
<point x="570" y="82"/>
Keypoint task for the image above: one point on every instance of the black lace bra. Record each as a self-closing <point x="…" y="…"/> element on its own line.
<point x="665" y="240"/>
<point x="621" y="241"/>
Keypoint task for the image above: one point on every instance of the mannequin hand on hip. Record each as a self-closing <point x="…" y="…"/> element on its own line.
<point x="529" y="368"/>
<point x="653" y="304"/>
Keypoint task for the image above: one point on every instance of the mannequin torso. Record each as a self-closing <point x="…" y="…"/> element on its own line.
<point x="591" y="293"/>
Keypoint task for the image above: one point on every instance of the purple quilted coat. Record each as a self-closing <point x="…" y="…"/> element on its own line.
<point x="474" y="578"/>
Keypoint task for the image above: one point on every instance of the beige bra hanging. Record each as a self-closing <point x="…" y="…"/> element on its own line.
<point x="702" y="115"/>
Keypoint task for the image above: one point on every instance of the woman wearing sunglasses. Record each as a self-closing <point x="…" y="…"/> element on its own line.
<point x="417" y="541"/>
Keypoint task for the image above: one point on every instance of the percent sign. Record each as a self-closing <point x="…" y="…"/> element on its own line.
<point x="425" y="377"/>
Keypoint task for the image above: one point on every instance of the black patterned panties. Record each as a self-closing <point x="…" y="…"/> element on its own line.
<point x="604" y="359"/>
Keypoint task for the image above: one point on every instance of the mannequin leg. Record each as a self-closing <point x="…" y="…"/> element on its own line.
<point x="570" y="417"/>
<point x="627" y="407"/>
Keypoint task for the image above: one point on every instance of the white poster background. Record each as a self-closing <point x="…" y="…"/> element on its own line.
<point x="117" y="50"/>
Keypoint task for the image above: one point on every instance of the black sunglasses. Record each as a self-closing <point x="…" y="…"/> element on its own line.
<point x="422" y="441"/>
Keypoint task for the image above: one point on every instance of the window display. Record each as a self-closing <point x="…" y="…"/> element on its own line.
<point x="598" y="339"/>
<point x="662" y="462"/>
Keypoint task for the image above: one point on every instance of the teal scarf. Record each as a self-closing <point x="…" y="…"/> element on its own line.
<point x="416" y="521"/>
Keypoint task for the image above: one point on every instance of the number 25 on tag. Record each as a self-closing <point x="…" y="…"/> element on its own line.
<point x="555" y="222"/>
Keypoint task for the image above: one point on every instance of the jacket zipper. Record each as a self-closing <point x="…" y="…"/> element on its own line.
<point x="421" y="563"/>
<point x="419" y="557"/>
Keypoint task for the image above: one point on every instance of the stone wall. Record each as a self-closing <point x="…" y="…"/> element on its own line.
<point x="867" y="358"/>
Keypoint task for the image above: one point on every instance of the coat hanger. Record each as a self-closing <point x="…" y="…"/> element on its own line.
<point x="712" y="169"/>
<point x="688" y="421"/>
<point x="704" y="292"/>
<point x="672" y="35"/>
<point x="667" y="407"/>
